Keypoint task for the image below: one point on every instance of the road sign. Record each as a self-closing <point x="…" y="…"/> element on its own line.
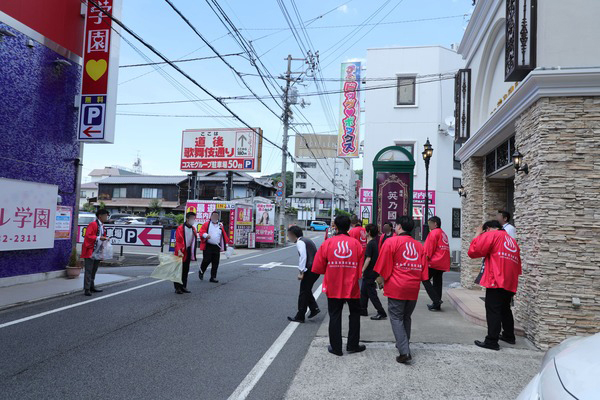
<point x="279" y="193"/>
<point x="130" y="235"/>
<point x="221" y="149"/>
<point x="280" y="185"/>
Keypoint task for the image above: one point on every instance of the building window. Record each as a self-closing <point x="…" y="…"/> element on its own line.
<point x="119" y="193"/>
<point x="409" y="146"/>
<point x="456" y="183"/>
<point x="152" y="193"/>
<point x="307" y="164"/>
<point x="82" y="194"/>
<point x="300" y="175"/>
<point x="456" y="222"/>
<point x="300" y="185"/>
<point x="457" y="147"/>
<point x="406" y="91"/>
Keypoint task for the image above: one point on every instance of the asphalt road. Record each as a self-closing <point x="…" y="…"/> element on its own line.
<point x="151" y="343"/>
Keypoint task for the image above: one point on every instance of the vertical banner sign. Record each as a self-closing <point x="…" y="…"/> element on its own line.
<point x="100" y="70"/>
<point x="243" y="224"/>
<point x="63" y="222"/>
<point x="393" y="189"/>
<point x="365" y="202"/>
<point x="265" y="223"/>
<point x="350" y="111"/>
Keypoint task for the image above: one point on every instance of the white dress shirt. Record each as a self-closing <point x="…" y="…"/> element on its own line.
<point x="510" y="230"/>
<point x="301" y="246"/>
<point x="215" y="233"/>
<point x="189" y="236"/>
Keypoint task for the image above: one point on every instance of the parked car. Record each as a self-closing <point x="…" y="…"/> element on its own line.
<point x="132" y="221"/>
<point x="113" y="218"/>
<point x="568" y="371"/>
<point x="318" y="226"/>
<point x="85" y="218"/>
<point x="168" y="223"/>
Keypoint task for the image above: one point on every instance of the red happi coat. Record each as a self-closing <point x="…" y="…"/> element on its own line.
<point x="359" y="233"/>
<point x="403" y="265"/>
<point x="437" y="250"/>
<point x="224" y="238"/>
<point x="340" y="259"/>
<point x="502" y="260"/>
<point x="180" y="242"/>
<point x="89" y="242"/>
<point x="382" y="237"/>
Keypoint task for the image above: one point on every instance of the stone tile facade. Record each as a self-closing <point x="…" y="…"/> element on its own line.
<point x="472" y="216"/>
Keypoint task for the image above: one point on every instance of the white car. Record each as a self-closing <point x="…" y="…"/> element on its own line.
<point x="133" y="221"/>
<point x="569" y="371"/>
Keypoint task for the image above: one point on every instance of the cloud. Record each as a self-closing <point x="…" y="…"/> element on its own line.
<point x="343" y="8"/>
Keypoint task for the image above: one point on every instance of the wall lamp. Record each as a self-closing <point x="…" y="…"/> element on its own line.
<point x="462" y="192"/>
<point x="518" y="162"/>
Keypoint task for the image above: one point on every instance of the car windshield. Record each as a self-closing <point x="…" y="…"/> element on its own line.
<point x="85" y="220"/>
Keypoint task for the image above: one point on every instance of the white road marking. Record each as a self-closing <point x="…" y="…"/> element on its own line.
<point x="246" y="386"/>
<point x="271" y="265"/>
<point x="25" y="319"/>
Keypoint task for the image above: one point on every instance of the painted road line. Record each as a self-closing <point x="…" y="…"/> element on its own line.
<point x="271" y="265"/>
<point x="246" y="386"/>
<point x="56" y="310"/>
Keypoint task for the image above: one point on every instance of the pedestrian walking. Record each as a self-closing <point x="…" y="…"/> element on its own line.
<point x="500" y="278"/>
<point x="95" y="234"/>
<point x="358" y="232"/>
<point x="368" y="288"/>
<point x="306" y="253"/>
<point x="186" y="240"/>
<point x="403" y="265"/>
<point x="213" y="240"/>
<point x="437" y="251"/>
<point x="388" y="232"/>
<point x="340" y="259"/>
<point x="504" y="218"/>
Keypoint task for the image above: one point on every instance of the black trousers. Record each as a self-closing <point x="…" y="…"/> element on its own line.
<point x="211" y="255"/>
<point x="499" y="315"/>
<point x="434" y="290"/>
<point x="185" y="270"/>
<point x="306" y="299"/>
<point x="335" y="307"/>
<point x="368" y="291"/>
<point x="91" y="267"/>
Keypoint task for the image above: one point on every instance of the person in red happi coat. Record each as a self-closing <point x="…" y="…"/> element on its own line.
<point x="94" y="235"/>
<point x="437" y="250"/>
<point x="403" y="266"/>
<point x="186" y="240"/>
<point x="358" y="232"/>
<point x="341" y="259"/>
<point x="502" y="267"/>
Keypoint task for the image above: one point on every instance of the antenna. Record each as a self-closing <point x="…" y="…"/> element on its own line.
<point x="137" y="164"/>
<point x="450" y="123"/>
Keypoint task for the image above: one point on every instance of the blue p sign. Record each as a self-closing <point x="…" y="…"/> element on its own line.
<point x="92" y="115"/>
<point x="248" y="164"/>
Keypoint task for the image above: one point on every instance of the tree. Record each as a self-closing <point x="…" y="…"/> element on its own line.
<point x="89" y="207"/>
<point x="342" y="212"/>
<point x="289" y="181"/>
<point x="359" y="173"/>
<point x="155" y="206"/>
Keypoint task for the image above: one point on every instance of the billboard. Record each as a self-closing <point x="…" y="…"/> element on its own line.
<point x="392" y="195"/>
<point x="265" y="223"/>
<point x="323" y="146"/>
<point x="129" y="235"/>
<point x="221" y="149"/>
<point x="347" y="142"/>
<point x="98" y="99"/>
<point x="243" y="224"/>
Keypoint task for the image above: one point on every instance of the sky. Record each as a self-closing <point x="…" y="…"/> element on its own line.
<point x="153" y="131"/>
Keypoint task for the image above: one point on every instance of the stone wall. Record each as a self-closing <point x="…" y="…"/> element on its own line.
<point x="472" y="212"/>
<point x="558" y="208"/>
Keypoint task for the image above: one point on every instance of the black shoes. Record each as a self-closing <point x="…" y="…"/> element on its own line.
<point x="295" y="319"/>
<point x="364" y="313"/>
<point x="435" y="306"/>
<point x="507" y="340"/>
<point x="178" y="291"/>
<point x="94" y="290"/>
<point x="214" y="280"/>
<point x="87" y="293"/>
<point x="314" y="313"/>
<point x="488" y="346"/>
<point x="337" y="353"/>
<point x="359" y="349"/>
<point x="404" y="358"/>
<point x="201" y="275"/>
<point x="184" y="290"/>
<point x="379" y="317"/>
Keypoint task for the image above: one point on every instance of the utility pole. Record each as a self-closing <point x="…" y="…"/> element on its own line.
<point x="333" y="191"/>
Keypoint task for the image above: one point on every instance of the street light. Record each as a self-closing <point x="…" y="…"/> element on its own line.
<point x="462" y="192"/>
<point x="518" y="162"/>
<point x="427" y="154"/>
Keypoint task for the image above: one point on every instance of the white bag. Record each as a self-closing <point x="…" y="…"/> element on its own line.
<point x="229" y="252"/>
<point x="169" y="269"/>
<point x="103" y="250"/>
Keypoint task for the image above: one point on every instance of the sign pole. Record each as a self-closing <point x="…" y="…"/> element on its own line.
<point x="286" y="125"/>
<point x="229" y="185"/>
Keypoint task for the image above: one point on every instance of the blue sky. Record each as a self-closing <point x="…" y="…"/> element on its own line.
<point x="158" y="139"/>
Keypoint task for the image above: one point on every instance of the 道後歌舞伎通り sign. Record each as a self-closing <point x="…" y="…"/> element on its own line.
<point x="221" y="149"/>
<point x="350" y="110"/>
<point x="98" y="97"/>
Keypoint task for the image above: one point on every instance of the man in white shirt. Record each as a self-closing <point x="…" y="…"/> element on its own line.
<point x="306" y="253"/>
<point x="504" y="218"/>
<point x="214" y="240"/>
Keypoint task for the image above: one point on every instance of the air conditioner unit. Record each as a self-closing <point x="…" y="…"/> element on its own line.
<point x="455" y="256"/>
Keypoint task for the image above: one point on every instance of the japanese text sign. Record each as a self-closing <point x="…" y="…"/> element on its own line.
<point x="265" y="223"/>
<point x="419" y="197"/>
<point x="366" y="196"/>
<point x="221" y="150"/>
<point x="130" y="235"/>
<point x="392" y="196"/>
<point x="27" y="215"/>
<point x="100" y="70"/>
<point x="243" y="224"/>
<point x="62" y="225"/>
<point x="350" y="111"/>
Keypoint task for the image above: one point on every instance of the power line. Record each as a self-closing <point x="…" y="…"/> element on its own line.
<point x="170" y="115"/>
<point x="178" y="61"/>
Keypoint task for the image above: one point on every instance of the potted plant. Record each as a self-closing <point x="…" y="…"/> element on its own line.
<point x="74" y="266"/>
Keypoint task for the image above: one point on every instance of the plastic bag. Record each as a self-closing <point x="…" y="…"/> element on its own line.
<point x="103" y="250"/>
<point x="169" y="269"/>
<point x="229" y="252"/>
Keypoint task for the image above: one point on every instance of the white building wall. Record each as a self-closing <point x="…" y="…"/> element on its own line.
<point x="320" y="177"/>
<point x="388" y="124"/>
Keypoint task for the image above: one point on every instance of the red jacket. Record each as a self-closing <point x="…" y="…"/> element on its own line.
<point x="403" y="265"/>
<point x="89" y="242"/>
<point x="340" y="259"/>
<point x="502" y="260"/>
<point x="359" y="233"/>
<point x="224" y="238"/>
<point x="180" y="242"/>
<point x="381" y="239"/>
<point x="438" y="250"/>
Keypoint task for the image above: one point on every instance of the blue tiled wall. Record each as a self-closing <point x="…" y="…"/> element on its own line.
<point x="38" y="124"/>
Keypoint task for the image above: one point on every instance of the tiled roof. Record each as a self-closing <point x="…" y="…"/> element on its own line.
<point x="145" y="179"/>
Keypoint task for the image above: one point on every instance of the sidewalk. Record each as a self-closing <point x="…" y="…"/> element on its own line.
<point x="446" y="364"/>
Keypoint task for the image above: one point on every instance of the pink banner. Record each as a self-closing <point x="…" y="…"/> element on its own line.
<point x="265" y="223"/>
